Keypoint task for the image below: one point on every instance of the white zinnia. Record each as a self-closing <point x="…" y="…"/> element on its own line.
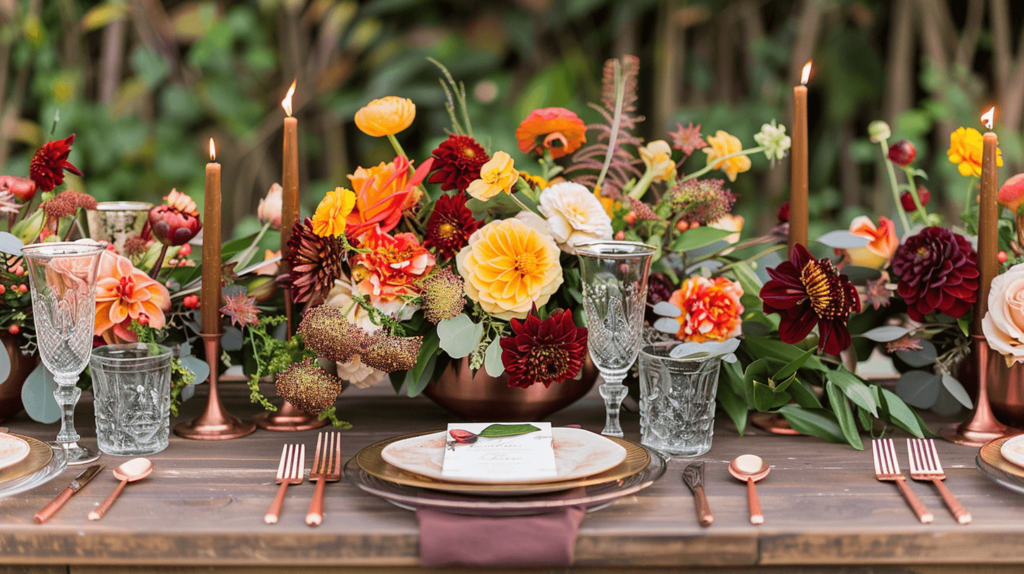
<point x="574" y="215"/>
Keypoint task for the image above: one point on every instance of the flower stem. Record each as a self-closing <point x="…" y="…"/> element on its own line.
<point x="711" y="165"/>
<point x="895" y="187"/>
<point x="159" y="263"/>
<point x="768" y="251"/>
<point x="641" y="186"/>
<point x="913" y="193"/>
<point x="521" y="204"/>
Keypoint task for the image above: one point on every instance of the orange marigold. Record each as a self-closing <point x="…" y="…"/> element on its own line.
<point x="711" y="309"/>
<point x="556" y="129"/>
<point x="393" y="266"/>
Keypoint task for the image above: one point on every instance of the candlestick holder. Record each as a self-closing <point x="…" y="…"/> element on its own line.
<point x="288" y="419"/>
<point x="982" y="428"/>
<point x="215" y="423"/>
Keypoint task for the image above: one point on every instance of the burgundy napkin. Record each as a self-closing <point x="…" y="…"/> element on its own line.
<point x="544" y="539"/>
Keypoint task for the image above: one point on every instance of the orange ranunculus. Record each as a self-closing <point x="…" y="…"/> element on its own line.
<point x="383" y="193"/>
<point x="711" y="309"/>
<point x="123" y="294"/>
<point x="965" y="149"/>
<point x="392" y="267"/>
<point x="386" y="116"/>
<point x="879" y="252"/>
<point x="556" y="129"/>
<point x="331" y="215"/>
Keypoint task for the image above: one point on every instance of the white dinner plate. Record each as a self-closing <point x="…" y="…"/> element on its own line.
<point x="1013" y="450"/>
<point x="578" y="454"/>
<point x="12" y="450"/>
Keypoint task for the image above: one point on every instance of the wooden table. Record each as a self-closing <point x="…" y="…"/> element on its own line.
<point x="204" y="506"/>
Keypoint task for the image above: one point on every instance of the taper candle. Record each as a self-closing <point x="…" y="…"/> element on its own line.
<point x="290" y="173"/>
<point x="798" y="188"/>
<point x="988" y="220"/>
<point x="211" y="247"/>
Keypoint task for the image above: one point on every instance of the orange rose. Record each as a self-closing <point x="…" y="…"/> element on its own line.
<point x="876" y="254"/>
<point x="386" y="116"/>
<point x="383" y="193"/>
<point x="711" y="309"/>
<point x="556" y="129"/>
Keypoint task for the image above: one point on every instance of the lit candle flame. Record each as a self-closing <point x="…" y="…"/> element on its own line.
<point x="213" y="151"/>
<point x="286" y="103"/>
<point x="987" y="117"/>
<point x="806" y="74"/>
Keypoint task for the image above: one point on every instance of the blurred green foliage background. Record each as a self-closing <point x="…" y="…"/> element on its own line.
<point x="145" y="83"/>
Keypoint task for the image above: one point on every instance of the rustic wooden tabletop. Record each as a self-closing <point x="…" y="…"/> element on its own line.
<point x="204" y="506"/>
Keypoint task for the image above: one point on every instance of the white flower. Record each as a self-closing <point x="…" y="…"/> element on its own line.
<point x="354" y="371"/>
<point x="535" y="221"/>
<point x="574" y="215"/>
<point x="774" y="140"/>
<point x="657" y="156"/>
<point x="1003" y="325"/>
<point x="878" y="131"/>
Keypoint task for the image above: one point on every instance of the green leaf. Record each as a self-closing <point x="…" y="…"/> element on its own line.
<point x="794" y="365"/>
<point x="804" y="397"/>
<point x="774" y="349"/>
<point x="919" y="388"/>
<point x="397" y="379"/>
<point x="957" y="390"/>
<point x="866" y="421"/>
<point x="492" y="361"/>
<point x="781" y="399"/>
<point x="730" y="396"/>
<point x="500" y="430"/>
<point x="900" y="414"/>
<point x="764" y="397"/>
<point x="748" y="279"/>
<point x="697" y="238"/>
<point x="459" y="335"/>
<point x="814" y="422"/>
<point x="854" y="388"/>
<point x="424" y="365"/>
<point x="844" y="415"/>
<point x="965" y="325"/>
<point x="921" y="358"/>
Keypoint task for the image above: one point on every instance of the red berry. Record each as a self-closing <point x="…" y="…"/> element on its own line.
<point x="1002" y="257"/>
<point x="620" y="236"/>
<point x="23" y="288"/>
<point x="3" y="289"/>
<point x="902" y="153"/>
<point x="185" y="250"/>
<point x="14" y="329"/>
<point x="907" y="200"/>
<point x="682" y="225"/>
<point x="191" y="302"/>
<point x="631" y="217"/>
<point x="19" y="270"/>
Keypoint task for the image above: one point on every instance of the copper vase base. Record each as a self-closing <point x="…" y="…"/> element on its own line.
<point x="773" y="423"/>
<point x="288" y="420"/>
<point x="975" y="438"/>
<point x="228" y="427"/>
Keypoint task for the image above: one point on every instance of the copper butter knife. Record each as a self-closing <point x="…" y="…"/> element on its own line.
<point x="693" y="476"/>
<point x="76" y="485"/>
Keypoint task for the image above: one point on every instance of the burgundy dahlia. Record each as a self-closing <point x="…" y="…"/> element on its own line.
<point x="659" y="289"/>
<point x="806" y="292"/>
<point x="938" y="272"/>
<point x="548" y="351"/>
<point x="50" y="162"/>
<point x="450" y="225"/>
<point x="457" y="162"/>
<point x="314" y="261"/>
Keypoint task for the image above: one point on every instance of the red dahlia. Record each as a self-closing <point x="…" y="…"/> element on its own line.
<point x="659" y="290"/>
<point x="938" y="271"/>
<point x="450" y="226"/>
<point x="315" y="262"/>
<point x="806" y="292"/>
<point x="457" y="162"/>
<point x="50" y="162"/>
<point x="548" y="351"/>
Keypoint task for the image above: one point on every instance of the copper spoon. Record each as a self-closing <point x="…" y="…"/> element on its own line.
<point x="132" y="471"/>
<point x="750" y="469"/>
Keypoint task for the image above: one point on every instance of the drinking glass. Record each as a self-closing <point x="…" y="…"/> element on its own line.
<point x="677" y="400"/>
<point x="63" y="281"/>
<point x="131" y="387"/>
<point x="614" y="277"/>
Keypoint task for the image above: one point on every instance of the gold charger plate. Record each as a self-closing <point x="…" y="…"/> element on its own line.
<point x="991" y="454"/>
<point x="371" y="462"/>
<point x="39" y="456"/>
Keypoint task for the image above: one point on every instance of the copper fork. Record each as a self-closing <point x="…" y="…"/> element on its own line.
<point x="289" y="471"/>
<point x="887" y="468"/>
<point x="326" y="468"/>
<point x="925" y="466"/>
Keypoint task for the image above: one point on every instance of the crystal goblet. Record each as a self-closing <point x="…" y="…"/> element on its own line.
<point x="63" y="281"/>
<point x="614" y="277"/>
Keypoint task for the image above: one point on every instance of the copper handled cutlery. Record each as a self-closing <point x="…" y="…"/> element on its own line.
<point x="925" y="466"/>
<point x="80" y="481"/>
<point x="326" y="468"/>
<point x="290" y="471"/>
<point x="887" y="468"/>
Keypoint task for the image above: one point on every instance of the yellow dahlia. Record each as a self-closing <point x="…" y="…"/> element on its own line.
<point x="508" y="267"/>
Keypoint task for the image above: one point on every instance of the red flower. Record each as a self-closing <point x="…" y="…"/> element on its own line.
<point x="50" y="162"/>
<point x="556" y="129"/>
<point x="315" y="262"/>
<point x="177" y="221"/>
<point x="938" y="273"/>
<point x="22" y="187"/>
<point x="548" y="351"/>
<point x="806" y="292"/>
<point x="450" y="226"/>
<point x="458" y="161"/>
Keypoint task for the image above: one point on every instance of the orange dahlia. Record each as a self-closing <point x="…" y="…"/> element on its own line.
<point x="555" y="129"/>
<point x="392" y="267"/>
<point x="711" y="309"/>
<point x="383" y="193"/>
<point x="123" y="294"/>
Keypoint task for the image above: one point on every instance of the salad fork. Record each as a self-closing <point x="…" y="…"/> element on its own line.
<point x="925" y="466"/>
<point x="887" y="468"/>
<point x="289" y="471"/>
<point x="326" y="468"/>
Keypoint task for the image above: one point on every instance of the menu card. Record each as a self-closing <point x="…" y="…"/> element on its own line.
<point x="505" y="452"/>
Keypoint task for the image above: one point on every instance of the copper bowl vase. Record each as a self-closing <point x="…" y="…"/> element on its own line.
<point x="483" y="398"/>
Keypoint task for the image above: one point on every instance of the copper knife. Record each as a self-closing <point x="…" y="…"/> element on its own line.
<point x="76" y="485"/>
<point x="693" y="476"/>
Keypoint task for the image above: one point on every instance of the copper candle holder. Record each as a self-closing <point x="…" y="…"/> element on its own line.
<point x="288" y="419"/>
<point x="982" y="428"/>
<point x="215" y="423"/>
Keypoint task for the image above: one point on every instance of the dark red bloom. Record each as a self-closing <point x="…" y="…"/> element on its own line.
<point x="450" y="226"/>
<point x="907" y="200"/>
<point x="50" y="162"/>
<point x="457" y="162"/>
<point x="315" y="262"/>
<point x="659" y="289"/>
<point x="22" y="187"/>
<point x="938" y="272"/>
<point x="548" y="351"/>
<point x="902" y="153"/>
<point x="177" y="221"/>
<point x="806" y="292"/>
<point x="783" y="213"/>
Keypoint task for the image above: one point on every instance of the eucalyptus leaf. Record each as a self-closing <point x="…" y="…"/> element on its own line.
<point x="187" y="392"/>
<point x="201" y="369"/>
<point x="702" y="350"/>
<point x="5" y="365"/>
<point x="667" y="325"/>
<point x="10" y="244"/>
<point x="232" y="339"/>
<point x="842" y="239"/>
<point x="666" y="309"/>
<point x="919" y="388"/>
<point x="492" y="361"/>
<point x="459" y="335"/>
<point x="859" y="275"/>
<point x="957" y="390"/>
<point x="886" y="333"/>
<point x="37" y="396"/>
<point x="923" y="357"/>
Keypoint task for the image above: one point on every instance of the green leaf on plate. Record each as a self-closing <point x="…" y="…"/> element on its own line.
<point x="500" y="430"/>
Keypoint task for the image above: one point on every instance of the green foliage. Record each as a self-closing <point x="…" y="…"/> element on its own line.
<point x="271" y="355"/>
